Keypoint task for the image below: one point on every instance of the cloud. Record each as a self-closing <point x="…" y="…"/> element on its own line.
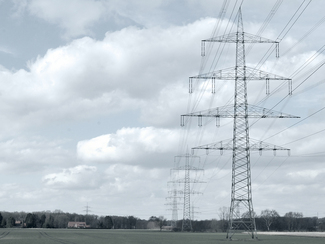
<point x="126" y="178"/>
<point x="141" y="188"/>
<point x="129" y="145"/>
<point x="75" y="16"/>
<point x="141" y="75"/>
<point x="113" y="190"/>
<point x="290" y="193"/>
<point x="87" y="78"/>
<point x="80" y="17"/>
<point x="310" y="174"/>
<point x="6" y="50"/>
<point x="33" y="154"/>
<point x="78" y="177"/>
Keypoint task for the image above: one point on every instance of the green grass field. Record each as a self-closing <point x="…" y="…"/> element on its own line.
<point x="69" y="236"/>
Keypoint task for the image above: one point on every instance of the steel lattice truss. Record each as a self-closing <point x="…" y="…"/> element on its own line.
<point x="232" y="38"/>
<point x="230" y="74"/>
<point x="174" y="196"/>
<point x="240" y="111"/>
<point x="229" y="112"/>
<point x="187" y="192"/>
<point x="254" y="145"/>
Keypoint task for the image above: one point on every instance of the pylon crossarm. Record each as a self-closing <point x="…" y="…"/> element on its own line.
<point x="254" y="145"/>
<point x="187" y="168"/>
<point x="230" y="74"/>
<point x="196" y="192"/>
<point x="228" y="112"/>
<point x="188" y="181"/>
<point x="260" y="112"/>
<point x="246" y="38"/>
<point x="167" y="198"/>
<point x="232" y="38"/>
<point x="175" y="192"/>
<point x="222" y="145"/>
<point x="186" y="156"/>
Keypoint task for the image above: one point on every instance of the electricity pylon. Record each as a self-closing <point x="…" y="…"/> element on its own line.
<point x="175" y="209"/>
<point x="240" y="111"/>
<point x="87" y="209"/>
<point x="194" y="212"/>
<point x="187" y="192"/>
<point x="175" y="196"/>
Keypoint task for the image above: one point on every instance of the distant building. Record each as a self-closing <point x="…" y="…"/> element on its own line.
<point x="19" y="223"/>
<point x="170" y="228"/>
<point x="78" y="225"/>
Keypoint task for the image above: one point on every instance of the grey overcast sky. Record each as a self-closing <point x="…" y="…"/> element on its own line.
<point x="91" y="94"/>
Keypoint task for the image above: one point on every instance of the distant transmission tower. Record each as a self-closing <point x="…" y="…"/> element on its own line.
<point x="240" y="111"/>
<point x="87" y="209"/>
<point x="175" y="209"/>
<point x="174" y="196"/>
<point x="194" y="212"/>
<point x="187" y="192"/>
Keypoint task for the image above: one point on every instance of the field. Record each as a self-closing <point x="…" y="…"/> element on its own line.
<point x="68" y="236"/>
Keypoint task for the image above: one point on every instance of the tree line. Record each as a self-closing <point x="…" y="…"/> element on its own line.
<point x="60" y="219"/>
<point x="268" y="220"/>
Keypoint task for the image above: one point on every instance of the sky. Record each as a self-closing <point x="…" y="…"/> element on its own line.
<point x="91" y="94"/>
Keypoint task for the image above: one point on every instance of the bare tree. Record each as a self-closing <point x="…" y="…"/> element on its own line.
<point x="162" y="222"/>
<point x="269" y="216"/>
<point x="293" y="220"/>
<point x="224" y="217"/>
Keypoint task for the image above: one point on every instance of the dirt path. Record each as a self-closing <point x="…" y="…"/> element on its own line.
<point x="312" y="234"/>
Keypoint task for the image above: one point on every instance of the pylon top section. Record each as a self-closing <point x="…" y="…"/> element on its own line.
<point x="232" y="37"/>
<point x="244" y="37"/>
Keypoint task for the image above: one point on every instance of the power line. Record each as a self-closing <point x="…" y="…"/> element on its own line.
<point x="315" y="133"/>
<point x="296" y="123"/>
<point x="187" y="189"/>
<point x="241" y="144"/>
<point x="294" y="19"/>
<point x="266" y="22"/>
<point x="294" y="22"/>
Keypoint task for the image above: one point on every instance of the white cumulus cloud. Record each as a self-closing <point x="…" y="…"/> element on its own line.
<point x="128" y="145"/>
<point x="81" y="176"/>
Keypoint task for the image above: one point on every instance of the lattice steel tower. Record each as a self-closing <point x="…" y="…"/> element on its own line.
<point x="174" y="209"/>
<point x="187" y="192"/>
<point x="240" y="111"/>
<point x="175" y="195"/>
